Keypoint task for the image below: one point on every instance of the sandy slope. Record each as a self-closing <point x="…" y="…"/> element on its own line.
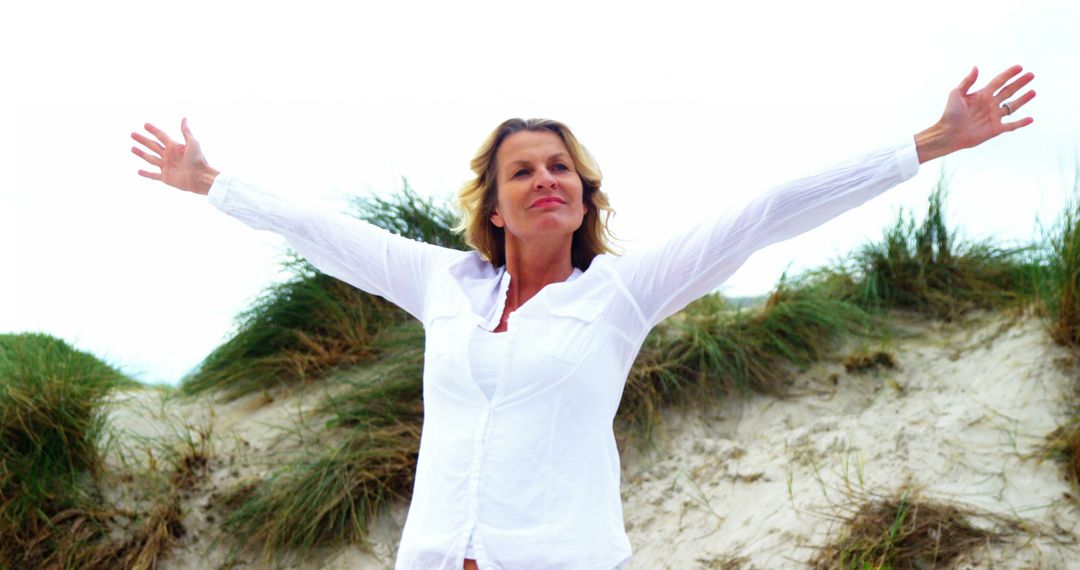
<point x="760" y="483"/>
<point x="961" y="418"/>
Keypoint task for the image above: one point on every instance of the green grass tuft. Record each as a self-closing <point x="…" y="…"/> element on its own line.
<point x="1059" y="288"/>
<point x="413" y="216"/>
<point x="1059" y="292"/>
<point x="301" y="330"/>
<point x="711" y="350"/>
<point x="52" y="422"/>
<point x="926" y="268"/>
<point x="297" y="332"/>
<point x="331" y="494"/>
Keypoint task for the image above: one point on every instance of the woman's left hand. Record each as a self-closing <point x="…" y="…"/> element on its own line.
<point x="971" y="119"/>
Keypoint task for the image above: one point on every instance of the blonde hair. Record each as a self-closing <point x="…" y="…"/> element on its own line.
<point x="479" y="196"/>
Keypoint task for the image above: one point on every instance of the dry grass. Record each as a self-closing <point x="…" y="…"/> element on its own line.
<point x="867" y="361"/>
<point x="88" y="543"/>
<point x="97" y="534"/>
<point x="1063" y="445"/>
<point x="906" y="532"/>
<point x="112" y="539"/>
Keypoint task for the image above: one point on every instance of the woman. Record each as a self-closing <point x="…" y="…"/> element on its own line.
<point x="531" y="336"/>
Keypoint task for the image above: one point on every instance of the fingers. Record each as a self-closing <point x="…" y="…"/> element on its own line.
<point x="1002" y="77"/>
<point x="968" y="81"/>
<point x="189" y="139"/>
<point x="152" y="145"/>
<point x="1024" y="99"/>
<point x="1018" y="103"/>
<point x="156" y="161"/>
<point x="160" y="134"/>
<point x="1010" y="89"/>
<point x="150" y="175"/>
<point x="1017" y="124"/>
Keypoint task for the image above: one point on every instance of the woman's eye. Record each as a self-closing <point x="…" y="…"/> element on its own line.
<point x="521" y="172"/>
<point x="561" y="167"/>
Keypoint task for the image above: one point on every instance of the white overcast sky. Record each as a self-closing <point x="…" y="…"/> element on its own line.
<point x="690" y="107"/>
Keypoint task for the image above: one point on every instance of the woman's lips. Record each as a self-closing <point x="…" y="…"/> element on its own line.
<point x="548" y="201"/>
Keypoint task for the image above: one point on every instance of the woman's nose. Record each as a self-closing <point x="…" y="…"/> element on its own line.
<point x="545" y="179"/>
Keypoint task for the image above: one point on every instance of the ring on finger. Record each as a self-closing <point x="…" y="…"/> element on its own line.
<point x="1008" y="109"/>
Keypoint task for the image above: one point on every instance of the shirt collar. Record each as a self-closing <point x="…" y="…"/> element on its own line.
<point x="500" y="297"/>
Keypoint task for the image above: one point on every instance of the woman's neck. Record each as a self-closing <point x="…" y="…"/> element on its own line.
<point x="533" y="266"/>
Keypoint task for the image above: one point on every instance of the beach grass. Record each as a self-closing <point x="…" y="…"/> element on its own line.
<point x="52" y="430"/>
<point x="866" y="361"/>
<point x="925" y="267"/>
<point x="408" y="214"/>
<point x="296" y="332"/>
<point x="331" y="494"/>
<point x="1059" y="287"/>
<point x="301" y="330"/>
<point x="1059" y="293"/>
<point x="905" y="531"/>
<point x="1063" y="445"/>
<point x="136" y="536"/>
<point x="710" y="350"/>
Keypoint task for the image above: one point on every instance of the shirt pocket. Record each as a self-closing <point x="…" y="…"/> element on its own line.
<point x="442" y="333"/>
<point x="572" y="330"/>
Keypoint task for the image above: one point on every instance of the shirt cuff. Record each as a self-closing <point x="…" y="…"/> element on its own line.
<point x="907" y="158"/>
<point x="219" y="191"/>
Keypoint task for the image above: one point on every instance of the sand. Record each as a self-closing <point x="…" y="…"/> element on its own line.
<point x="757" y="482"/>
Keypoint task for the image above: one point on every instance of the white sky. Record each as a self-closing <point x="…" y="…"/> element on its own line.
<point x="690" y="108"/>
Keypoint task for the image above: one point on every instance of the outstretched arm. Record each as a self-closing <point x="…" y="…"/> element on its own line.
<point x="974" y="117"/>
<point x="342" y="246"/>
<point x="699" y="259"/>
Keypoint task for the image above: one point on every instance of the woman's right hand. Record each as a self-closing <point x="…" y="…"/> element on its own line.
<point x="181" y="165"/>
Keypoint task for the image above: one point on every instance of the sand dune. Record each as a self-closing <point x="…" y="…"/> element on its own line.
<point x="758" y="482"/>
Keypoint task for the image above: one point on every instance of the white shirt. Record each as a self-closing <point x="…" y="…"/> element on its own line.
<point x="533" y="474"/>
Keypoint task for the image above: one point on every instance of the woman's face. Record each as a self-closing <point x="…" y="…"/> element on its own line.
<point x="539" y="190"/>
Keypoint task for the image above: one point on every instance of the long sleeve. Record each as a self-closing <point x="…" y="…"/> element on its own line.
<point x="367" y="257"/>
<point x="665" y="279"/>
